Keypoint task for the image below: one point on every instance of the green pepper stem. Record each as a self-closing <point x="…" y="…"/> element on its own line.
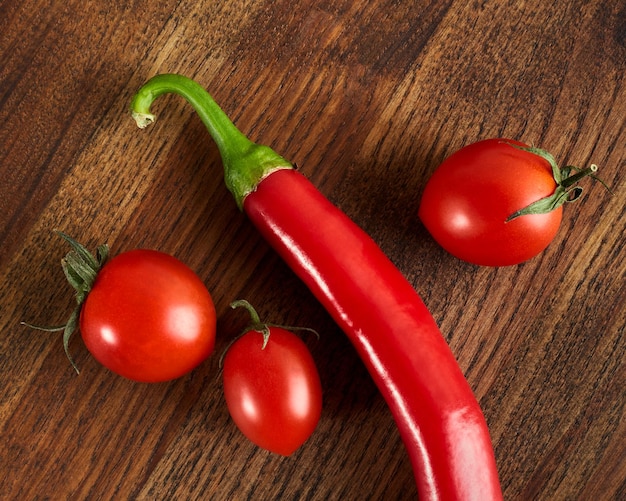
<point x="245" y="162"/>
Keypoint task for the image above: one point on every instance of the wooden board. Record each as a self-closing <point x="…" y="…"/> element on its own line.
<point x="367" y="97"/>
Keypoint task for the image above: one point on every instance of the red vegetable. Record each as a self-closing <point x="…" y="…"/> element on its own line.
<point x="271" y="386"/>
<point x="437" y="414"/>
<point x="143" y="314"/>
<point x="498" y="202"/>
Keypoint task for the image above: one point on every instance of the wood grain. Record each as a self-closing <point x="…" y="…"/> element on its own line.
<point x="367" y="97"/>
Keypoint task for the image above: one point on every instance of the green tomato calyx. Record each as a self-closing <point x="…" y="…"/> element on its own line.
<point x="255" y="321"/>
<point x="258" y="326"/>
<point x="81" y="268"/>
<point x="566" y="179"/>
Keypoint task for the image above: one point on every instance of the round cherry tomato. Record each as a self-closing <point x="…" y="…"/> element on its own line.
<point x="148" y="317"/>
<point x="467" y="203"/>
<point x="273" y="393"/>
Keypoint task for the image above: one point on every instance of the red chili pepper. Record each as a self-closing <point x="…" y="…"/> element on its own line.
<point x="438" y="417"/>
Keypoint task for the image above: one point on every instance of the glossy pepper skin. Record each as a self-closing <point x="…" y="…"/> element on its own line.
<point x="438" y="417"/>
<point x="395" y="335"/>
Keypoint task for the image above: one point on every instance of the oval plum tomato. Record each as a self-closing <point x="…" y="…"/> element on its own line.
<point x="144" y="314"/>
<point x="272" y="388"/>
<point x="497" y="202"/>
<point x="148" y="317"/>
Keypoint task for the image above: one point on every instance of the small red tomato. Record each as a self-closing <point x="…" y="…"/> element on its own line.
<point x="471" y="205"/>
<point x="273" y="393"/>
<point x="144" y="314"/>
<point x="148" y="317"/>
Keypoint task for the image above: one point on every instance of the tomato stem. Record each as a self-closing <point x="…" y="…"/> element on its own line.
<point x="81" y="268"/>
<point x="574" y="178"/>
<point x="245" y="163"/>
<point x="566" y="189"/>
<point x="242" y="303"/>
<point x="258" y="326"/>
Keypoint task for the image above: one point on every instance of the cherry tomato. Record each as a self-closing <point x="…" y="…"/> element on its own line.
<point x="148" y="317"/>
<point x="273" y="393"/>
<point x="468" y="200"/>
